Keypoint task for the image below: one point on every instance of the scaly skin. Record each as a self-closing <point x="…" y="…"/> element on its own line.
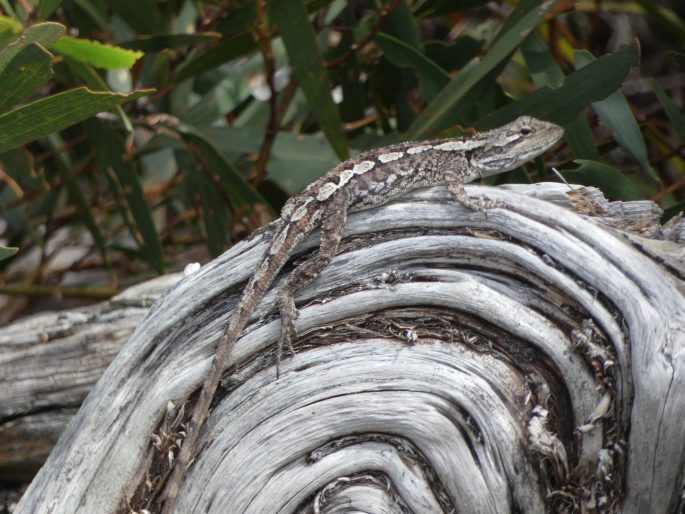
<point x="368" y="180"/>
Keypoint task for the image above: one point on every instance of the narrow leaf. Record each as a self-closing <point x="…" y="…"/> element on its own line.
<point x="240" y="192"/>
<point x="673" y="210"/>
<point x="144" y="16"/>
<point x="616" y="115"/>
<point x="45" y="34"/>
<point x="545" y="71"/>
<point x="92" y="80"/>
<point x="579" y="137"/>
<point x="6" y="252"/>
<point x="98" y="54"/>
<point x="303" y="52"/>
<point x="47" y="7"/>
<point x="216" y="216"/>
<point x="612" y="182"/>
<point x="65" y="168"/>
<point x="29" y="70"/>
<point x="674" y="115"/>
<point x="431" y="76"/>
<point x="435" y="116"/>
<point x="581" y="88"/>
<point x="213" y="209"/>
<point x="110" y="150"/>
<point x="9" y="28"/>
<point x="222" y="52"/>
<point x="158" y="42"/>
<point x="48" y="115"/>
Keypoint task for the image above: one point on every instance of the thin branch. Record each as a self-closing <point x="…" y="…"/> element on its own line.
<point x="97" y="293"/>
<point x="383" y="13"/>
<point x="263" y="38"/>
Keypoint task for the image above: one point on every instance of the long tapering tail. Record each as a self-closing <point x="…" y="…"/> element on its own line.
<point x="284" y="241"/>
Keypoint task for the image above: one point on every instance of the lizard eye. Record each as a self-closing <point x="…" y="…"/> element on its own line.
<point x="526" y="131"/>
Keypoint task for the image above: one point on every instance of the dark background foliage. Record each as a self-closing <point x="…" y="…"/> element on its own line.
<point x="137" y="136"/>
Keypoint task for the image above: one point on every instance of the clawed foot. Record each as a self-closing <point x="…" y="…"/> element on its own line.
<point x="481" y="203"/>
<point x="484" y="203"/>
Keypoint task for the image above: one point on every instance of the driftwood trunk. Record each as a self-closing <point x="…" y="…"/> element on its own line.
<point x="527" y="359"/>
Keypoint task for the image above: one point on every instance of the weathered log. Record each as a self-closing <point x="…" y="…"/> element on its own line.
<point x="525" y="359"/>
<point x="49" y="362"/>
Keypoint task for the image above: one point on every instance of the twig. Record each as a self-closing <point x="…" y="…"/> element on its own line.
<point x="98" y="293"/>
<point x="263" y="39"/>
<point x="383" y="13"/>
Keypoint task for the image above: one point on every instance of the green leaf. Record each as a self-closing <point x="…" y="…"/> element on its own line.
<point x="160" y="71"/>
<point x="674" y="115"/>
<point x="94" y="12"/>
<point x="29" y="70"/>
<point x="610" y="181"/>
<point x="18" y="165"/>
<point x="216" y="216"/>
<point x="673" y="210"/>
<point x="431" y="76"/>
<point x="455" y="55"/>
<point x="6" y="252"/>
<point x="581" y="88"/>
<point x="301" y="45"/>
<point x="616" y="115"/>
<point x="665" y="17"/>
<point x="224" y="51"/>
<point x="579" y="137"/>
<point x="95" y="82"/>
<point x="240" y="193"/>
<point x="47" y="7"/>
<point x="98" y="54"/>
<point x="211" y="206"/>
<point x="542" y="66"/>
<point x="42" y="117"/>
<point x="296" y="159"/>
<point x="545" y="71"/>
<point x="143" y="16"/>
<point x="436" y="116"/>
<point x="110" y="150"/>
<point x="45" y="34"/>
<point x="401" y="24"/>
<point x="65" y="167"/>
<point x="158" y="42"/>
<point x="9" y="28"/>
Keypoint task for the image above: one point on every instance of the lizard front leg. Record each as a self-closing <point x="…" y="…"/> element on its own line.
<point x="456" y="189"/>
<point x="332" y="225"/>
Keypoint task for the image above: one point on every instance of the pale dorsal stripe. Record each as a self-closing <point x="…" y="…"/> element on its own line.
<point x="328" y="188"/>
<point x="459" y="146"/>
<point x="389" y="157"/>
<point x="418" y="149"/>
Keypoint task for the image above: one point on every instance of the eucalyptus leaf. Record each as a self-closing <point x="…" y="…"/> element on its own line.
<point x="303" y="52"/>
<point x="48" y="115"/>
<point x="24" y="74"/>
<point x="98" y="54"/>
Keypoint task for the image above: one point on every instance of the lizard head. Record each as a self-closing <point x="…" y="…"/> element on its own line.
<point x="513" y="144"/>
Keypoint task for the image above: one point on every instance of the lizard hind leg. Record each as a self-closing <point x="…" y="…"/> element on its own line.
<point x="332" y="224"/>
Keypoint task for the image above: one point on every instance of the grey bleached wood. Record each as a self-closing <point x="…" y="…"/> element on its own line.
<point x="526" y="358"/>
<point x="49" y="362"/>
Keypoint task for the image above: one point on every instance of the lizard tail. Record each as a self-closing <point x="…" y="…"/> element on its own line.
<point x="283" y="242"/>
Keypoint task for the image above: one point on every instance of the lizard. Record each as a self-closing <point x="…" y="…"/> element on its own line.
<point x="368" y="180"/>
